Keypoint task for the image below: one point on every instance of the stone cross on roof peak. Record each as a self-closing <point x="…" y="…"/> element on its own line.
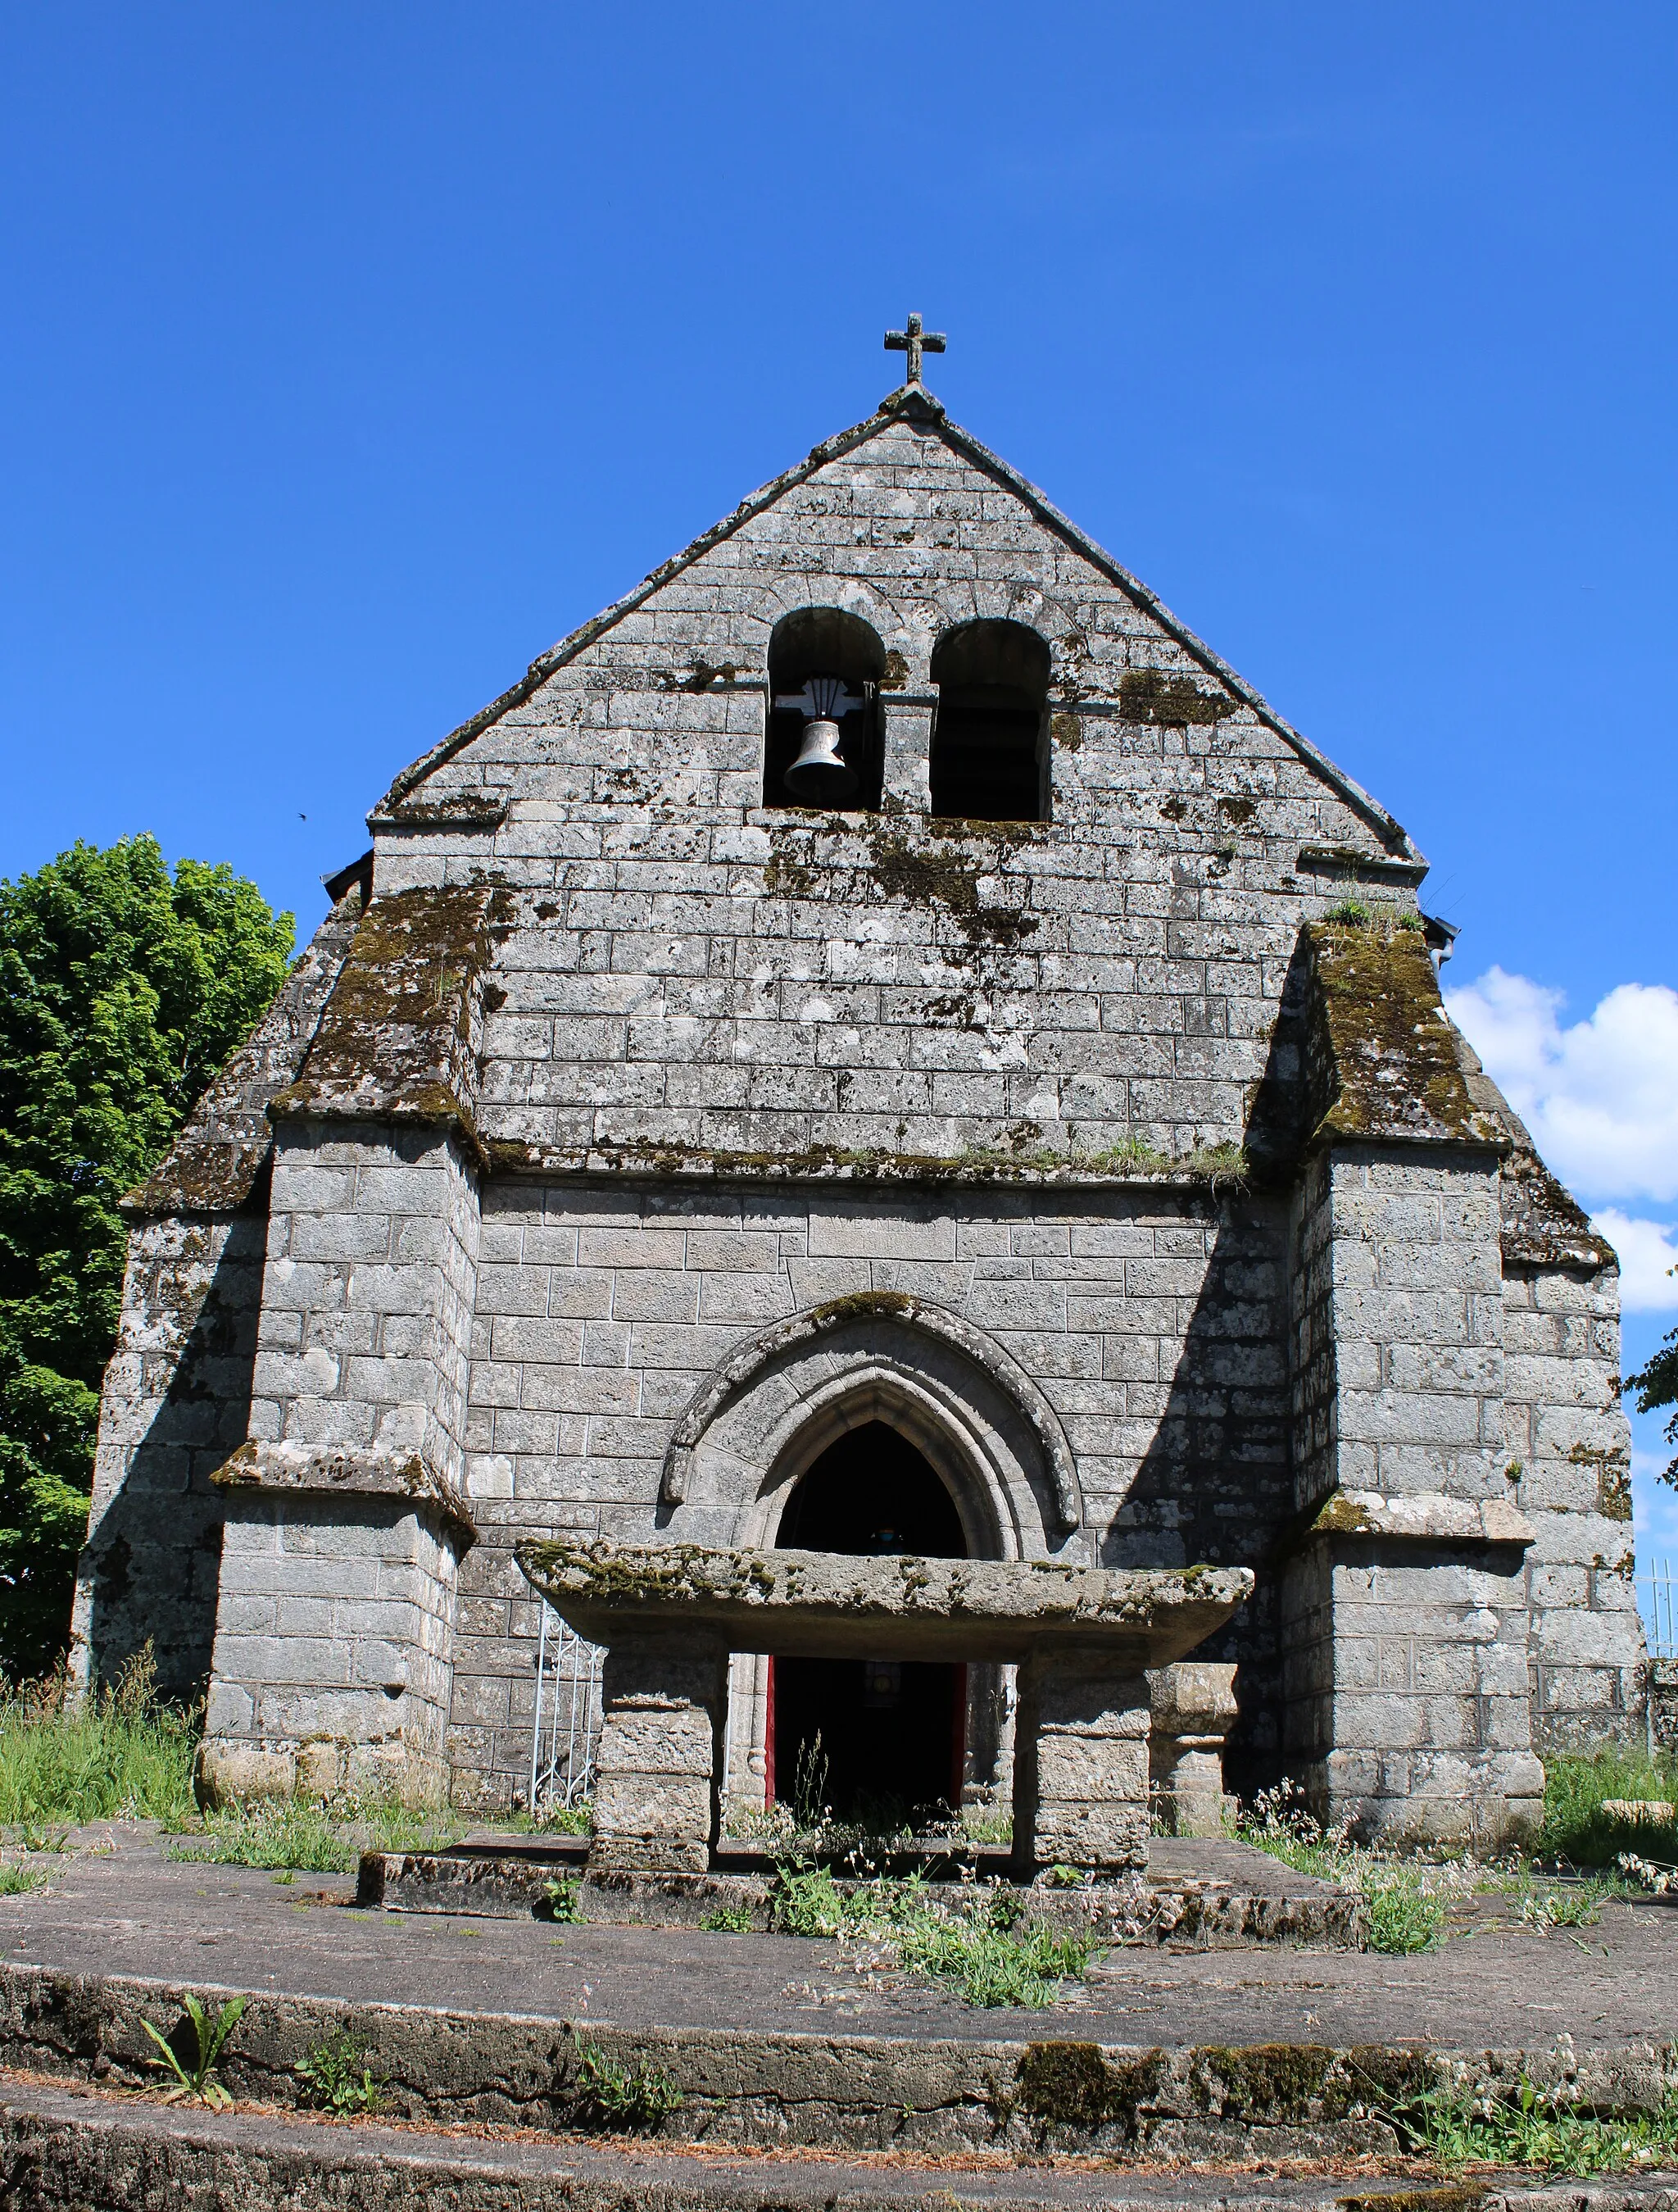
<point x="913" y="341"/>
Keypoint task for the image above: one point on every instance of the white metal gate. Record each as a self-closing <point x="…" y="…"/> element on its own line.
<point x="1656" y="1586"/>
<point x="564" y="1730"/>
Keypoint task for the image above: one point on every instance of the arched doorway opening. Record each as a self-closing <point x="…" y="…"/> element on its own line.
<point x="873" y="1740"/>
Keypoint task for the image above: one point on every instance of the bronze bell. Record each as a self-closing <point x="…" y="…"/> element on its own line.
<point x="820" y="776"/>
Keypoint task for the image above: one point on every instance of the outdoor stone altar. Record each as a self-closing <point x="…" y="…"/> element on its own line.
<point x="1083" y="1638"/>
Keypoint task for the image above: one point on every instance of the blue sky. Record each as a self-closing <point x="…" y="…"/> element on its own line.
<point x="353" y="356"/>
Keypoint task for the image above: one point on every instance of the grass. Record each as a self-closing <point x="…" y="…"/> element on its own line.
<point x="1529" y="2126"/>
<point x="1579" y="1832"/>
<point x="1406" y="1901"/>
<point x="619" y="2097"/>
<point x="971" y="1938"/>
<point x="114" y="1755"/>
<point x="315" y="1837"/>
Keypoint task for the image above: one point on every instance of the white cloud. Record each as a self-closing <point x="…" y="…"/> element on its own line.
<point x="1648" y="1255"/>
<point x="1601" y="1096"/>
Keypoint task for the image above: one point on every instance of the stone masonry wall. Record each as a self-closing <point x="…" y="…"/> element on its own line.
<point x="334" y="1648"/>
<point x="370" y="1284"/>
<point x="1152" y="1321"/>
<point x="1405" y="1619"/>
<point x="176" y="1403"/>
<point x="1569" y="1447"/>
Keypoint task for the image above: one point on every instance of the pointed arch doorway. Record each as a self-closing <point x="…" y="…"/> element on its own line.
<point x="878" y="1740"/>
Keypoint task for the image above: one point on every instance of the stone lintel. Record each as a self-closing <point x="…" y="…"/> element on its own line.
<point x="824" y="1605"/>
<point x="1427" y="1517"/>
<point x="320" y="1470"/>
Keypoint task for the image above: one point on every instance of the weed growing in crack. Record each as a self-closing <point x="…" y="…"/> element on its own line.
<point x="617" y="2096"/>
<point x="197" y="2078"/>
<point x="730" y="1920"/>
<point x="1525" y="2125"/>
<point x="336" y="2077"/>
<point x="560" y="1900"/>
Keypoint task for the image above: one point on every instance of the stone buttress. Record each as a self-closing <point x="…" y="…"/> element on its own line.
<point x="648" y="1131"/>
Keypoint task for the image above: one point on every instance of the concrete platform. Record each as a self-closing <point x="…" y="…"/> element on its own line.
<point x="1161" y="2052"/>
<point x="1213" y="1891"/>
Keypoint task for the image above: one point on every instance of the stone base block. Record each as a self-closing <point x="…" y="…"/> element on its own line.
<point x="1491" y="1804"/>
<point x="1191" y="1813"/>
<point x="230" y="1771"/>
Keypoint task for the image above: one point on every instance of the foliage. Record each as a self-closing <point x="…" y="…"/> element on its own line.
<point x="559" y="1900"/>
<point x="620" y="2097"/>
<point x="1656" y="1388"/>
<point x="110" y="1755"/>
<point x="1580" y="1825"/>
<point x="1578" y="1907"/>
<point x="576" y="1820"/>
<point x="1407" y="1909"/>
<point x="196" y="2078"/>
<point x="1524" y="2125"/>
<point x="121" y="992"/>
<point x="730" y="1920"/>
<point x="317" y="1837"/>
<point x="972" y="1937"/>
<point x="16" y="1880"/>
<point x="336" y="2077"/>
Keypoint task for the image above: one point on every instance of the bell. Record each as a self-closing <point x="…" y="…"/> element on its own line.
<point x="818" y="776"/>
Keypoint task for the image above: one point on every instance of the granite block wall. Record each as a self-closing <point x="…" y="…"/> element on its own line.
<point x="1151" y="1322"/>
<point x="334" y="1649"/>
<point x="1569" y="1460"/>
<point x="369" y="1289"/>
<point x="176" y="1402"/>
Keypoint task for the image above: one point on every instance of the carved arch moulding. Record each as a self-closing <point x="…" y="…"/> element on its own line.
<point x="767" y="1411"/>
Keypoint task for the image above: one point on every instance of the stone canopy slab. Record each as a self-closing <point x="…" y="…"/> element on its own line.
<point x="821" y="1605"/>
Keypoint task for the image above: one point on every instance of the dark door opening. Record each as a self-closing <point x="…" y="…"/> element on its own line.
<point x="878" y="1740"/>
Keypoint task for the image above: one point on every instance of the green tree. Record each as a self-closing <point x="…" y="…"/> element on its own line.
<point x="121" y="993"/>
<point x="1657" y="1387"/>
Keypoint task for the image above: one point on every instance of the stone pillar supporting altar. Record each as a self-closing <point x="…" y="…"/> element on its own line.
<point x="1080" y="1762"/>
<point x="670" y="1614"/>
<point x="1194" y="1709"/>
<point x="655" y="1803"/>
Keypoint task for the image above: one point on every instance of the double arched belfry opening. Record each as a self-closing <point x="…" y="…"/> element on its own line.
<point x="989" y="754"/>
<point x="876" y="1425"/>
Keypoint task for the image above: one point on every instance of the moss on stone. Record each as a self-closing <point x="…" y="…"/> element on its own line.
<point x="1275" y="2082"/>
<point x="1149" y="695"/>
<point x="860" y="1305"/>
<point x="1382" y="1058"/>
<point x="1075" y="2084"/>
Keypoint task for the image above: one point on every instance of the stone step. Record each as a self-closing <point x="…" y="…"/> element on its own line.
<point x="738" y="2085"/>
<point x="1188" y="1896"/>
<point x="69" y="2150"/>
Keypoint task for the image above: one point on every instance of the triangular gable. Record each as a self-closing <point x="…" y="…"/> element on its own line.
<point x="912" y="402"/>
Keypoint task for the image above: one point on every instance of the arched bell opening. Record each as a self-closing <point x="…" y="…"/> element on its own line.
<point x="823" y="747"/>
<point x="880" y="1740"/>
<point x="990" y="751"/>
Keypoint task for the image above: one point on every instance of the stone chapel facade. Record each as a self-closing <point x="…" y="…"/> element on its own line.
<point x="1063" y="1122"/>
